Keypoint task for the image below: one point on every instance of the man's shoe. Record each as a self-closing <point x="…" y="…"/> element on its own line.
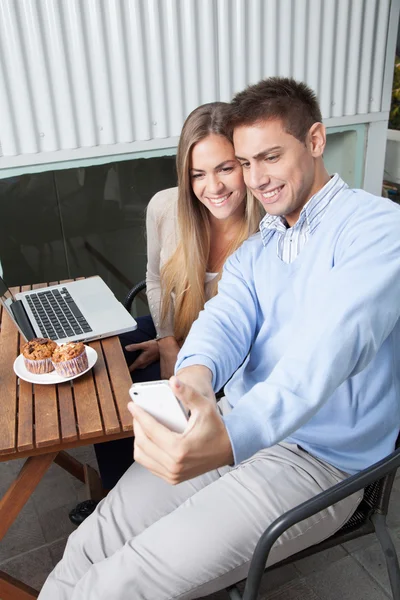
<point x="81" y="511"/>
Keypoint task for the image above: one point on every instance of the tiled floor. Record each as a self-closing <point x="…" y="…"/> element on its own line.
<point x="35" y="543"/>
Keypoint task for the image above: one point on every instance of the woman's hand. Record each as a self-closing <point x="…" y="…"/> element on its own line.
<point x="149" y="353"/>
<point x="168" y="348"/>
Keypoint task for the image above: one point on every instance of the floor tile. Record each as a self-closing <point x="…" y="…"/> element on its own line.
<point x="393" y="518"/>
<point x="274" y="579"/>
<point x="360" y="542"/>
<point x="85" y="454"/>
<point x="277" y="578"/>
<point x="294" y="590"/>
<point x="347" y="580"/>
<point x="52" y="492"/>
<point x="31" y="568"/>
<point x="319" y="561"/>
<point x="373" y="560"/>
<point x="57" y="550"/>
<point x="24" y="534"/>
<point x="55" y="523"/>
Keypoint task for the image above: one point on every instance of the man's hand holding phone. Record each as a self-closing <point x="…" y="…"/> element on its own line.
<point x="202" y="446"/>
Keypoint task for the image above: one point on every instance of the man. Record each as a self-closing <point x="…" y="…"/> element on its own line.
<point x="306" y="325"/>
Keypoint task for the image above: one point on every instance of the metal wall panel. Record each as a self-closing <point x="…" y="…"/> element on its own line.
<point x="78" y="74"/>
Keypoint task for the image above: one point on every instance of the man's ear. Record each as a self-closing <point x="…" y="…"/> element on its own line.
<point x="316" y="139"/>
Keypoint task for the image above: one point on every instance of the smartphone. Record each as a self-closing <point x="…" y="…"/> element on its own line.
<point x="157" y="398"/>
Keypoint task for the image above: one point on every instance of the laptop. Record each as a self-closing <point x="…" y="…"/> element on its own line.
<point x="82" y="310"/>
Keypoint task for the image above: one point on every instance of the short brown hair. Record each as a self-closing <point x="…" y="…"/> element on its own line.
<point x="283" y="98"/>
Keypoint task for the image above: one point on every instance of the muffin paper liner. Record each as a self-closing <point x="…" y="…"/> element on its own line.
<point x="39" y="367"/>
<point x="73" y="366"/>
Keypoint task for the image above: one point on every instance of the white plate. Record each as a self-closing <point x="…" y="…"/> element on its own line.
<point x="53" y="377"/>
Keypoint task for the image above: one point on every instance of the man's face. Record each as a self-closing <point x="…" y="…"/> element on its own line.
<point x="278" y="168"/>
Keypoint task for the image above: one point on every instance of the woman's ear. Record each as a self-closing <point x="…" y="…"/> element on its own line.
<point x="317" y="139"/>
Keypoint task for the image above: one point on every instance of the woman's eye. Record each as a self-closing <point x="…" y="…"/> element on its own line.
<point x="227" y="169"/>
<point x="196" y="175"/>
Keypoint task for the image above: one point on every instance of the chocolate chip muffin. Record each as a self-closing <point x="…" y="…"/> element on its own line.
<point x="37" y="355"/>
<point x="70" y="359"/>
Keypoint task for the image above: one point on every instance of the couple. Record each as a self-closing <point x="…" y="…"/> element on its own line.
<point x="305" y="326"/>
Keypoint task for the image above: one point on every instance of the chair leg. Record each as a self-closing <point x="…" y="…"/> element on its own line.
<point x="389" y="550"/>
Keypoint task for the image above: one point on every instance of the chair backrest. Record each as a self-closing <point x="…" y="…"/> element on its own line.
<point x="139" y="287"/>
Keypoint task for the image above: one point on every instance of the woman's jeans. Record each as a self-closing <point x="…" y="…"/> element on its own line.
<point x="114" y="458"/>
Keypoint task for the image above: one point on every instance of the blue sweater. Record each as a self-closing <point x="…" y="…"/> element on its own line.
<point x="313" y="345"/>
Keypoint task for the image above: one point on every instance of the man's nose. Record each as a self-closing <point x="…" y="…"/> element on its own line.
<point x="256" y="177"/>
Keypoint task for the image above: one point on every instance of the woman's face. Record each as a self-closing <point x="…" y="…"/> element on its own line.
<point x="216" y="177"/>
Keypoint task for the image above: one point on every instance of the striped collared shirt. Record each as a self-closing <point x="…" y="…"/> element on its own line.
<point x="291" y="240"/>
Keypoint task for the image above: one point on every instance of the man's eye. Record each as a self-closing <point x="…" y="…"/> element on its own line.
<point x="272" y="158"/>
<point x="245" y="165"/>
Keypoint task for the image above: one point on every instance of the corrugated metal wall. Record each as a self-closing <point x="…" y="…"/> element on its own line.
<point x="84" y="73"/>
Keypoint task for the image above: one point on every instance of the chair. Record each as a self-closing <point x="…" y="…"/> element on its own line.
<point x="369" y="517"/>
<point x="139" y="287"/>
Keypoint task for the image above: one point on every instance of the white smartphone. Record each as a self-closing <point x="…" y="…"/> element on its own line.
<point x="157" y="398"/>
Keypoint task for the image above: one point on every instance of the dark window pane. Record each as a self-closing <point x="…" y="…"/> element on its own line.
<point x="31" y="244"/>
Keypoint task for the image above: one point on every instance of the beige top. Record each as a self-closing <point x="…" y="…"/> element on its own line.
<point x="162" y="239"/>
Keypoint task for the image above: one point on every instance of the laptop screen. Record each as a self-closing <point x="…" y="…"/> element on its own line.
<point x="6" y="296"/>
<point x="16" y="311"/>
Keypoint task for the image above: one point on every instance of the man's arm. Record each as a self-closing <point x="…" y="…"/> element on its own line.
<point x="227" y="332"/>
<point x="221" y="337"/>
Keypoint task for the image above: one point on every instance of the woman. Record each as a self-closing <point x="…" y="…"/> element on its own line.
<point x="191" y="231"/>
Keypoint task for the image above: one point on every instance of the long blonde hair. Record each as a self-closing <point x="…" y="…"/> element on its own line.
<point x="184" y="273"/>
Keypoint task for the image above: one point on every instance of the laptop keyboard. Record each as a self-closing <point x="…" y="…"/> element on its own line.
<point x="57" y="315"/>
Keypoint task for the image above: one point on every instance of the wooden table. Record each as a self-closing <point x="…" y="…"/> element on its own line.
<point x="40" y="422"/>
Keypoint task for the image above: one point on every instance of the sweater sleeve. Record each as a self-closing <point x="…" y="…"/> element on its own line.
<point x="354" y="308"/>
<point x="222" y="335"/>
<point x="161" y="241"/>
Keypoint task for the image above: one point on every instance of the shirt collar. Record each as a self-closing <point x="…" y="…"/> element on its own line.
<point x="313" y="211"/>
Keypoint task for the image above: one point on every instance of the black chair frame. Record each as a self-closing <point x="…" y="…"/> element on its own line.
<point x="370" y="517"/>
<point x="139" y="287"/>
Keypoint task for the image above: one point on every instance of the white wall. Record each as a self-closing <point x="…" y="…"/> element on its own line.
<point x="85" y="79"/>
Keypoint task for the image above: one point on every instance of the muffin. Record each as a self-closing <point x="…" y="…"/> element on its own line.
<point x="70" y="359"/>
<point x="37" y="355"/>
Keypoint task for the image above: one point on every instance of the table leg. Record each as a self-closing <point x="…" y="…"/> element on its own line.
<point x="11" y="589"/>
<point x="22" y="488"/>
<point x="94" y="486"/>
<point x="84" y="473"/>
<point x="70" y="464"/>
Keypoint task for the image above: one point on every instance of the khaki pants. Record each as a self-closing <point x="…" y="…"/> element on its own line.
<point x="149" y="540"/>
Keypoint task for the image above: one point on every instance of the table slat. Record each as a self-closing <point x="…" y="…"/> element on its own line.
<point x="119" y="377"/>
<point x="25" y="416"/>
<point x="25" y="406"/>
<point x="87" y="409"/>
<point x="68" y="430"/>
<point x="8" y="383"/>
<point x="47" y="430"/>
<point x="106" y="399"/>
<point x="67" y="414"/>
